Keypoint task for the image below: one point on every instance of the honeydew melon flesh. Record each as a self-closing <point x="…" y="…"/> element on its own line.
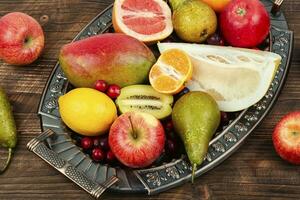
<point x="235" y="77"/>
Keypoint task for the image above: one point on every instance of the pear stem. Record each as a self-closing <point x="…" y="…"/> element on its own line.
<point x="193" y="172"/>
<point x="10" y="151"/>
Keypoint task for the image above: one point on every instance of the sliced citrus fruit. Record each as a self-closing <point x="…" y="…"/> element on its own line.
<point x="147" y="20"/>
<point x="172" y="69"/>
<point x="237" y="78"/>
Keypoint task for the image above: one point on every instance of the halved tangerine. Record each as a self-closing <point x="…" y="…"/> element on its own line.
<point x="172" y="69"/>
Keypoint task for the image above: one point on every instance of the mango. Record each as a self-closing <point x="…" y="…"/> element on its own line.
<point x="114" y="57"/>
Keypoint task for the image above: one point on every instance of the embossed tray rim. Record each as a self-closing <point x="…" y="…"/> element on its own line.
<point x="216" y="161"/>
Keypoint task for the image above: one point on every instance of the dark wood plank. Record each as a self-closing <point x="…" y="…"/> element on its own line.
<point x="253" y="172"/>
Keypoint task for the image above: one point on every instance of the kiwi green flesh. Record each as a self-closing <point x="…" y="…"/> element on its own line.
<point x="144" y="98"/>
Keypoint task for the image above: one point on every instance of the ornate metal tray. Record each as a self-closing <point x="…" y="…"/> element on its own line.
<point x="155" y="179"/>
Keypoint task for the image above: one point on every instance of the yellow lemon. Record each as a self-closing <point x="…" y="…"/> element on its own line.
<point x="87" y="111"/>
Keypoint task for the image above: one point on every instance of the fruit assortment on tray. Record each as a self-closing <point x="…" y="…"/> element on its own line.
<point x="149" y="91"/>
<point x="140" y="101"/>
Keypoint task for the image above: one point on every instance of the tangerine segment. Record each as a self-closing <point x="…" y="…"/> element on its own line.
<point x="177" y="59"/>
<point x="172" y="69"/>
<point x="166" y="83"/>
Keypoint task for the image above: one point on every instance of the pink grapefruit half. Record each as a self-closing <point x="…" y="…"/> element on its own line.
<point x="147" y="20"/>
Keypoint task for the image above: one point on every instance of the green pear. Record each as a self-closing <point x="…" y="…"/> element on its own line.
<point x="8" y="131"/>
<point x="193" y="20"/>
<point x="196" y="117"/>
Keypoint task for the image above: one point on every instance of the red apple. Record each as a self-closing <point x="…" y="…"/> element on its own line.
<point x="21" y="39"/>
<point x="286" y="137"/>
<point x="137" y="139"/>
<point x="244" y="23"/>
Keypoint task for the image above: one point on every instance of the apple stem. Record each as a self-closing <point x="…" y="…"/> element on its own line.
<point x="134" y="135"/>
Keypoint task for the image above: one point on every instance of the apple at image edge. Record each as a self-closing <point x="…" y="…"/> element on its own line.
<point x="21" y="39"/>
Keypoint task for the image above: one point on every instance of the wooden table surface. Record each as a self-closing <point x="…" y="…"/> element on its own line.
<point x="253" y="172"/>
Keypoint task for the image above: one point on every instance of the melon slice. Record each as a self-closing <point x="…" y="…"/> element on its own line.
<point x="236" y="78"/>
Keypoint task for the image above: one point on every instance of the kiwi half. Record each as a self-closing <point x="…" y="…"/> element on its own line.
<point x="144" y="98"/>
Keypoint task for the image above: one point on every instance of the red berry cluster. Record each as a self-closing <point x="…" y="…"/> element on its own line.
<point x="98" y="148"/>
<point x="113" y="90"/>
<point x="171" y="139"/>
<point x="173" y="145"/>
<point x="216" y="39"/>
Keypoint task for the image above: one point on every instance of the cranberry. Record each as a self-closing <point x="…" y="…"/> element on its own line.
<point x="224" y="117"/>
<point x="169" y="126"/>
<point x="98" y="154"/>
<point x="171" y="135"/>
<point x="171" y="147"/>
<point x="215" y="39"/>
<point x="110" y="156"/>
<point x="86" y="143"/>
<point x="96" y="141"/>
<point x="222" y="43"/>
<point x="103" y="143"/>
<point x="113" y="91"/>
<point x="101" y="85"/>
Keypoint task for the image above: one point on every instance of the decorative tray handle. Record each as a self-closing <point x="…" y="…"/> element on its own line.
<point x="38" y="147"/>
<point x="276" y="6"/>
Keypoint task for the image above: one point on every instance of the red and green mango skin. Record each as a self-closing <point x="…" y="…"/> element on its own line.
<point x="113" y="57"/>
